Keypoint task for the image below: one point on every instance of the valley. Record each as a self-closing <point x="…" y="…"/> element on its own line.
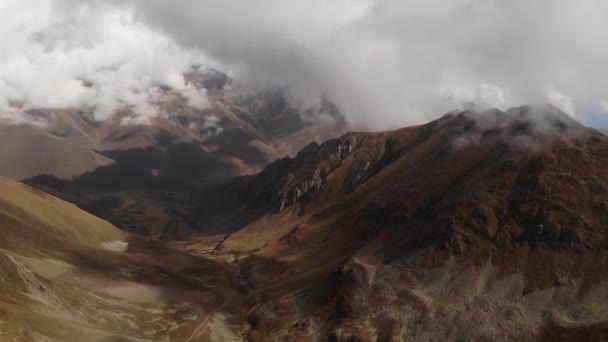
<point x="476" y="226"/>
<point x="303" y="171"/>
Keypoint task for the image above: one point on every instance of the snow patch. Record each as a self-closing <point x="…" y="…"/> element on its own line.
<point x="116" y="246"/>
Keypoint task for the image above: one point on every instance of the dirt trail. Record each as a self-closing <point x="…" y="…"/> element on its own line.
<point x="53" y="306"/>
<point x="41" y="293"/>
<point x="204" y="325"/>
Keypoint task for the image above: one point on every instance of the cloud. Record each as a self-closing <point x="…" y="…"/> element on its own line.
<point x="562" y="101"/>
<point x="60" y="54"/>
<point x="386" y="63"/>
<point x="463" y="96"/>
<point x="213" y="125"/>
<point x="394" y="62"/>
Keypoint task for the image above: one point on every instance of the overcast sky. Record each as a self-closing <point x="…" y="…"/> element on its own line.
<point x="386" y="63"/>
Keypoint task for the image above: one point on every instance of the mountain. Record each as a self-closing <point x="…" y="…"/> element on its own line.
<point x="237" y="133"/>
<point x="30" y="150"/>
<point x="123" y="171"/>
<point x="476" y="226"/>
<point x="69" y="276"/>
<point x="605" y="131"/>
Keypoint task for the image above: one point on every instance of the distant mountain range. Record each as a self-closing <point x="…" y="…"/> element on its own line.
<point x="181" y="149"/>
<point x="238" y="134"/>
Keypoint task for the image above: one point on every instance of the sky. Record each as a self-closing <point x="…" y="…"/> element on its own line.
<point x="385" y="63"/>
<point x="598" y="120"/>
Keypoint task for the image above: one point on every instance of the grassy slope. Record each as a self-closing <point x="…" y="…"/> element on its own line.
<point x="29" y="151"/>
<point x="69" y="276"/>
<point x="49" y="217"/>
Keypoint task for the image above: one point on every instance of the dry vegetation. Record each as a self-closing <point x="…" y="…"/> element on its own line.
<point x="469" y="228"/>
<point x="456" y="230"/>
<point x="69" y="276"/>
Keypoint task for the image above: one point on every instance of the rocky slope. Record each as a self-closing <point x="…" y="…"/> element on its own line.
<point x="488" y="226"/>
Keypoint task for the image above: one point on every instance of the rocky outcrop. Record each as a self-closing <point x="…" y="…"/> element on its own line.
<point x="305" y="185"/>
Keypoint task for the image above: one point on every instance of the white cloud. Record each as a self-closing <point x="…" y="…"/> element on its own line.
<point x="197" y="98"/>
<point x="213" y="125"/>
<point x="91" y="55"/>
<point x="562" y="101"/>
<point x="459" y="96"/>
<point x="386" y="63"/>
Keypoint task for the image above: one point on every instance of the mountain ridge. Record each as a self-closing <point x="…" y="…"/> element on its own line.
<point x="498" y="196"/>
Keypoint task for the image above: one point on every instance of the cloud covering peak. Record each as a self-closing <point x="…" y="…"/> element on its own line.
<point x="60" y="54"/>
<point x="386" y="63"/>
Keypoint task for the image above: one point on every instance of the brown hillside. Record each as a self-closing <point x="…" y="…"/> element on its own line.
<point x="475" y="226"/>
<point x="69" y="276"/>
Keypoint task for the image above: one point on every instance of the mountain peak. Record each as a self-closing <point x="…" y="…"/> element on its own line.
<point x="322" y="174"/>
<point x="540" y="118"/>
